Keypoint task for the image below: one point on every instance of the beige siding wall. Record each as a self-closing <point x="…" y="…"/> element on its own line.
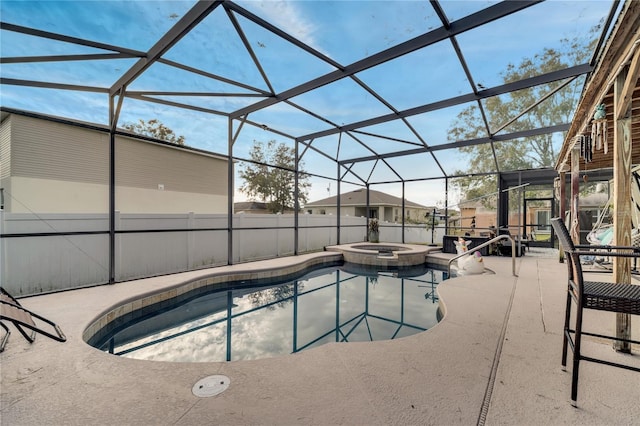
<point x="147" y="165"/>
<point x="59" y="196"/>
<point x="137" y="200"/>
<point x="5" y="163"/>
<point x="46" y="150"/>
<point x="57" y="168"/>
<point x="5" y="148"/>
<point x="56" y="196"/>
<point x="344" y="210"/>
<point x="387" y="214"/>
<point x="5" y="184"/>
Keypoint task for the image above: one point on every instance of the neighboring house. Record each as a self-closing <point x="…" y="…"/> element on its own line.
<point x="382" y="206"/>
<point x="473" y="218"/>
<point x="476" y="219"/>
<point x="250" y="207"/>
<point x="54" y="166"/>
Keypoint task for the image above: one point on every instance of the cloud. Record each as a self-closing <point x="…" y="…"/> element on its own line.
<point x="289" y="17"/>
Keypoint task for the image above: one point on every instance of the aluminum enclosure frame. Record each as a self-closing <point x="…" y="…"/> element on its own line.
<point x="449" y="30"/>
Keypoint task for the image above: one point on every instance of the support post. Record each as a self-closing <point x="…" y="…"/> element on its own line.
<point x="112" y="190"/>
<point x="574" y="225"/>
<point x="338" y="212"/>
<point x="403" y="213"/>
<point x="562" y="194"/>
<point x="622" y="202"/>
<point x="520" y="205"/>
<point x="368" y="216"/>
<point x="112" y="207"/>
<point x="562" y="198"/>
<point x="446" y="206"/>
<point x="230" y="194"/>
<point x="296" y="203"/>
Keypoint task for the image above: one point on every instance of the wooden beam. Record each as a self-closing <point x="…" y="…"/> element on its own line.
<point x="562" y="202"/>
<point x="623" y="101"/>
<point x="562" y="195"/>
<point x="622" y="203"/>
<point x="574" y="224"/>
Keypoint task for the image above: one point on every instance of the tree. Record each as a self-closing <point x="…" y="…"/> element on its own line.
<point x="532" y="152"/>
<point x="270" y="177"/>
<point x="279" y="296"/>
<point x="154" y="129"/>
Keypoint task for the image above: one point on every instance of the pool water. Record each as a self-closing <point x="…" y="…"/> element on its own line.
<point x="243" y="323"/>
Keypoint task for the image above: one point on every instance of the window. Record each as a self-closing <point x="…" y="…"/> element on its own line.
<point x="542" y="217"/>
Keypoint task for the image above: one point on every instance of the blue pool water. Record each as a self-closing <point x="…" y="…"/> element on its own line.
<point x="339" y="304"/>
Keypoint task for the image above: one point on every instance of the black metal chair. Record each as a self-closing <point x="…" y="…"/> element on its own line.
<point x="604" y="296"/>
<point x="11" y="310"/>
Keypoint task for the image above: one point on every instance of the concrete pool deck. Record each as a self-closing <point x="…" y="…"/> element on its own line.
<point x="493" y="359"/>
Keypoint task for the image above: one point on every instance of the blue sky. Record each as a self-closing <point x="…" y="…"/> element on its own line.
<point x="344" y="31"/>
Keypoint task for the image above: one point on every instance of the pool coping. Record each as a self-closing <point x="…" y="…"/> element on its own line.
<point x="126" y="310"/>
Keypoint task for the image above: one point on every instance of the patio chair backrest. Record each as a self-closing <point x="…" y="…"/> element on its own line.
<point x="572" y="258"/>
<point x="563" y="234"/>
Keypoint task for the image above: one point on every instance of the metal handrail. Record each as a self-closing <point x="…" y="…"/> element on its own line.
<point x="483" y="245"/>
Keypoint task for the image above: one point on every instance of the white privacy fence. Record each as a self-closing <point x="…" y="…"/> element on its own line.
<point x="39" y="263"/>
<point x="173" y="243"/>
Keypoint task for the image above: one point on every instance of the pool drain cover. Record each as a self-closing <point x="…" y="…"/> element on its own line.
<point x="211" y="386"/>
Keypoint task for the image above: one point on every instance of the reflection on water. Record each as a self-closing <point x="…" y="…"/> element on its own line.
<point x="330" y="305"/>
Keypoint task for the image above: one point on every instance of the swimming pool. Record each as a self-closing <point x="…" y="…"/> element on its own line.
<point x="243" y="321"/>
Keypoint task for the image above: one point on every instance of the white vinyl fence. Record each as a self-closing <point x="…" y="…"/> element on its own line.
<point x="45" y="263"/>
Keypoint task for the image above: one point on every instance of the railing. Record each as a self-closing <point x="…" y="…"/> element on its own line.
<point x="483" y="245"/>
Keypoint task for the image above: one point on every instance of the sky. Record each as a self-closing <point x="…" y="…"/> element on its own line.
<point x="343" y="31"/>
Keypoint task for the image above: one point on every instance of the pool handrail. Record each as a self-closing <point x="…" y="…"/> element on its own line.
<point x="483" y="245"/>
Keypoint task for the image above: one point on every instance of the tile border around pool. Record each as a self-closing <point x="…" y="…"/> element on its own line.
<point x="212" y="279"/>
<point x="124" y="310"/>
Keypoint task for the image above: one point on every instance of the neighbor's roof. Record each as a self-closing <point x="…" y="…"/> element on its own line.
<point x="359" y="198"/>
<point x="249" y="205"/>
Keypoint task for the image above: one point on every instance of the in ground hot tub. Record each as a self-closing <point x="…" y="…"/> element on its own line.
<point x="384" y="254"/>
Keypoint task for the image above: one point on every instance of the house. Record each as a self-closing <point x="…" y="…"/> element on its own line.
<point x="48" y="165"/>
<point x="250" y="207"/>
<point x="382" y="206"/>
<point x="473" y="218"/>
<point x="256" y="207"/>
<point x="479" y="220"/>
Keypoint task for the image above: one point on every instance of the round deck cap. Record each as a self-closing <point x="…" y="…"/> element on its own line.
<point x="210" y="386"/>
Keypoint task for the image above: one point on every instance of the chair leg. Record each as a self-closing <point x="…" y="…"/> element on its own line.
<point x="5" y="338"/>
<point x="565" y="334"/>
<point x="30" y="336"/>
<point x="576" y="354"/>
